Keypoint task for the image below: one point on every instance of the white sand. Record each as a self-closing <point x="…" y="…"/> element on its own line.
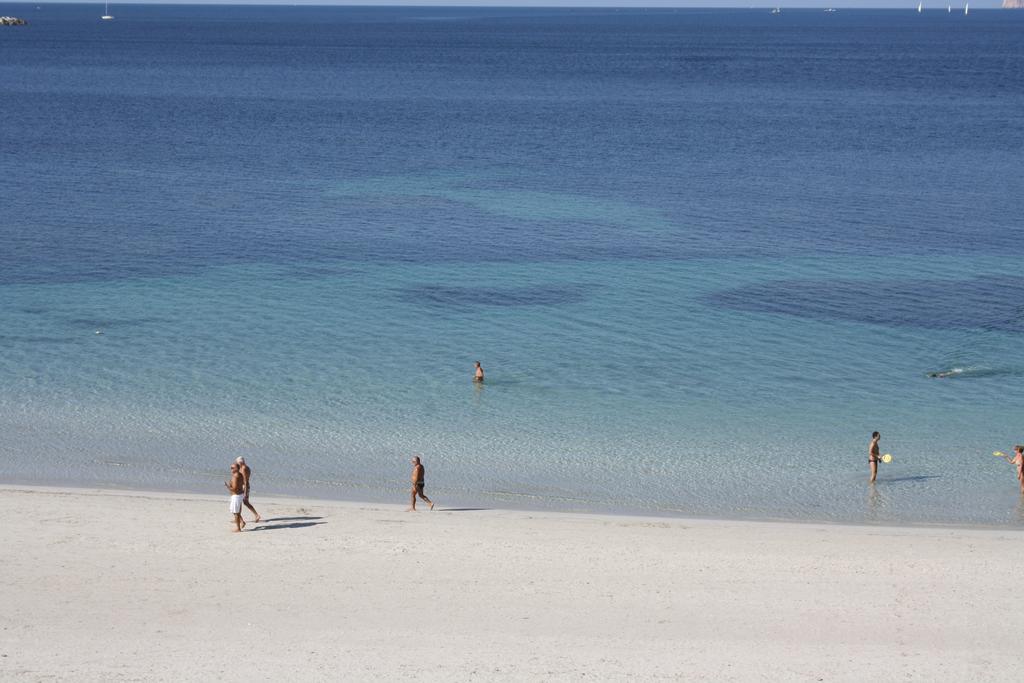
<point x="103" y="585"/>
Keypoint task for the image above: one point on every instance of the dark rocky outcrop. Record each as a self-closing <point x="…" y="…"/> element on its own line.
<point x="12" y="21"/>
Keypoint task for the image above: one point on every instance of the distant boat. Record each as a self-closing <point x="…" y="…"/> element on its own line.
<point x="949" y="9"/>
<point x="106" y="12"/>
<point x="920" y="7"/>
<point x="777" y="10"/>
<point x="830" y="9"/>
<point x="967" y="8"/>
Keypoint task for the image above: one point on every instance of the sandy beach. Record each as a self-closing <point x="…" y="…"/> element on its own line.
<point x="112" y="585"/>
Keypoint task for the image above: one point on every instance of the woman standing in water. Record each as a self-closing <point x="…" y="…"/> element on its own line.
<point x="1018" y="460"/>
<point x="873" y="456"/>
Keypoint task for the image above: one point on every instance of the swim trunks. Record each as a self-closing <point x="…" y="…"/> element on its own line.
<point x="236" y="503"/>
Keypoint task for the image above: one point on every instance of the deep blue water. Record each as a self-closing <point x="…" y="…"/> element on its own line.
<point x="701" y="254"/>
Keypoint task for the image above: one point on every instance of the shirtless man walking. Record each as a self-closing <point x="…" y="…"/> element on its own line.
<point x="418" y="472"/>
<point x="246" y="473"/>
<point x="237" y="489"/>
<point x="873" y="457"/>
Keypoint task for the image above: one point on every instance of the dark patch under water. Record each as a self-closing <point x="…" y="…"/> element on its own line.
<point x="995" y="304"/>
<point x="107" y="323"/>
<point x="538" y="295"/>
<point x="37" y="339"/>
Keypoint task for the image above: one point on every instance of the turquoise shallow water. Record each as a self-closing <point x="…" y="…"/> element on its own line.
<point x="329" y="376"/>
<point x="700" y="261"/>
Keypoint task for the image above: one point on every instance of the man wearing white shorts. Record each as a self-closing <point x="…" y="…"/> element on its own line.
<point x="237" y="489"/>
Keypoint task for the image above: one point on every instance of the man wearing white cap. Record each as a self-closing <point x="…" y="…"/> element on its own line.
<point x="246" y="473"/>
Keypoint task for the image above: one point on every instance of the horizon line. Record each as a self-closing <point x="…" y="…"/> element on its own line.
<point x="900" y="5"/>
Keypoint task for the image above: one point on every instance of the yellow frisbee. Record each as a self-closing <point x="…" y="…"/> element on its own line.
<point x="887" y="457"/>
<point x="999" y="454"/>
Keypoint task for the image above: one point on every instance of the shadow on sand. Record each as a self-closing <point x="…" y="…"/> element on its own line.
<point x="288" y="519"/>
<point x="293" y="525"/>
<point x="462" y="509"/>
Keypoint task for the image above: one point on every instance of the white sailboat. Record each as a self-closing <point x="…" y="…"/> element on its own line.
<point x="920" y="7"/>
<point x="967" y="7"/>
<point x="106" y="11"/>
<point x="949" y="9"/>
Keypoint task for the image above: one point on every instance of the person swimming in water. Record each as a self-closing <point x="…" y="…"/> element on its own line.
<point x="478" y="373"/>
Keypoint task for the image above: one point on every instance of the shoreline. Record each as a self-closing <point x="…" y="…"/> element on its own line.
<point x="283" y="500"/>
<point x="117" y="585"/>
<point x="479" y="504"/>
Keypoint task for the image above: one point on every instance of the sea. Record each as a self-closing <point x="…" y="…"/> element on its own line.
<point x="701" y="254"/>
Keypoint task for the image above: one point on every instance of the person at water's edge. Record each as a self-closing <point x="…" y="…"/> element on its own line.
<point x="237" y="489"/>
<point x="246" y="474"/>
<point x="1018" y="461"/>
<point x="873" y="457"/>
<point x="418" y="479"/>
